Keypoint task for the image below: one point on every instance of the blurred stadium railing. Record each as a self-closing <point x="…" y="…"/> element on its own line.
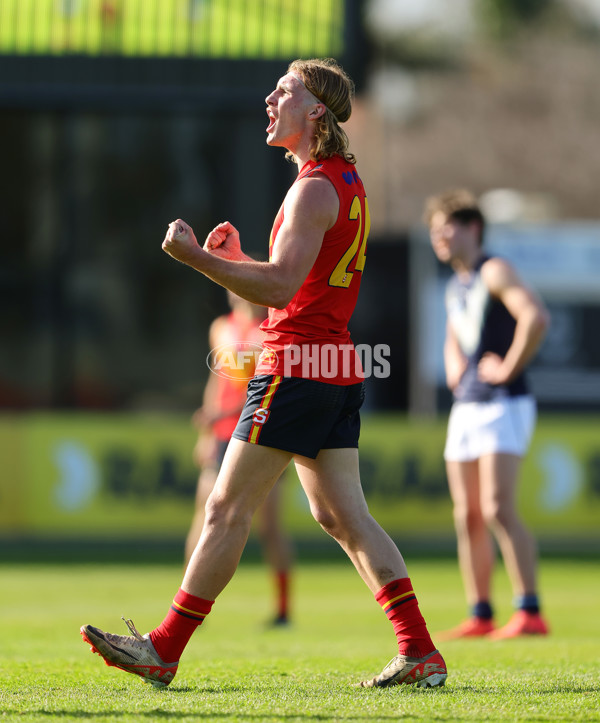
<point x="135" y="52"/>
<point x="189" y="28"/>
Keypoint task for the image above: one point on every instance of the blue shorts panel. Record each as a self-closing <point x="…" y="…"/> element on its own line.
<point x="301" y="416"/>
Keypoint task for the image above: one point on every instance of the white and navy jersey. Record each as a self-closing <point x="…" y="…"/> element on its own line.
<point x="481" y="324"/>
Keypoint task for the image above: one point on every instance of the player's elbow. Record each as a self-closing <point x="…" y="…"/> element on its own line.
<point x="285" y="279"/>
<point x="542" y="322"/>
<point x="280" y="295"/>
<point x="280" y="301"/>
<point x="272" y="298"/>
<point x="536" y="319"/>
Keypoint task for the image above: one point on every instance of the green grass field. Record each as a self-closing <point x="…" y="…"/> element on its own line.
<point x="237" y="670"/>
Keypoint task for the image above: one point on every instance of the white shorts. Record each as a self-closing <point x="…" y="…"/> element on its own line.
<point x="502" y="426"/>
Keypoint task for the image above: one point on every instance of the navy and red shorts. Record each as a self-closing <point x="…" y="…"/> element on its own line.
<point x="301" y="416"/>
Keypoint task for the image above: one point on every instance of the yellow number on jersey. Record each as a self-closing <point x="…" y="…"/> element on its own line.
<point x="341" y="276"/>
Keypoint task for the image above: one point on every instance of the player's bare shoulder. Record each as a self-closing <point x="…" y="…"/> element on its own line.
<point x="498" y="274"/>
<point x="314" y="196"/>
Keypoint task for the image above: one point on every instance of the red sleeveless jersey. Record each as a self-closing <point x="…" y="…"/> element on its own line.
<point x="310" y="337"/>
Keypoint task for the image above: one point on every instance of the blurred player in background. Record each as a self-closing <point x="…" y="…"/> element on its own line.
<point x="495" y="326"/>
<point x="224" y="398"/>
<point x="303" y="404"/>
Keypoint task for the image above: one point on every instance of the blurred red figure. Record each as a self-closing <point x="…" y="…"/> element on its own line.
<point x="224" y="399"/>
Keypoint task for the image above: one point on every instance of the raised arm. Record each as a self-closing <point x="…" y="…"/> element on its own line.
<point x="310" y="209"/>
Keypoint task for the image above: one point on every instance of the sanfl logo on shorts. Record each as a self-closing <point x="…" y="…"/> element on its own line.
<point x="260" y="415"/>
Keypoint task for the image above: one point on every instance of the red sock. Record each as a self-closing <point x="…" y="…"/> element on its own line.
<point x="282" y="581"/>
<point x="186" y="613"/>
<point x="399" y="603"/>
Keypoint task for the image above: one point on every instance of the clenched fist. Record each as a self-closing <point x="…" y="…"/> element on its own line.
<point x="224" y="241"/>
<point x="180" y="242"/>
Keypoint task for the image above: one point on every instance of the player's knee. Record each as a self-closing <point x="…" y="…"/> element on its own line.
<point x="496" y="515"/>
<point x="214" y="511"/>
<point x="467" y="519"/>
<point x="345" y="529"/>
<point x="328" y="521"/>
<point x="221" y="512"/>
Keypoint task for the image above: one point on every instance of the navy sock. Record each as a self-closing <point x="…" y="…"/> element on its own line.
<point x="529" y="603"/>
<point x="482" y="609"/>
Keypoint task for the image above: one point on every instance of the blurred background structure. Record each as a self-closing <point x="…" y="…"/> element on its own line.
<point x="117" y="116"/>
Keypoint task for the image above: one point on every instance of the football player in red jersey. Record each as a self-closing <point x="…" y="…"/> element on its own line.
<point x="303" y="404"/>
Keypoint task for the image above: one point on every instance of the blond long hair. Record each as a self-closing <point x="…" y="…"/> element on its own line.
<point x="329" y="83"/>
